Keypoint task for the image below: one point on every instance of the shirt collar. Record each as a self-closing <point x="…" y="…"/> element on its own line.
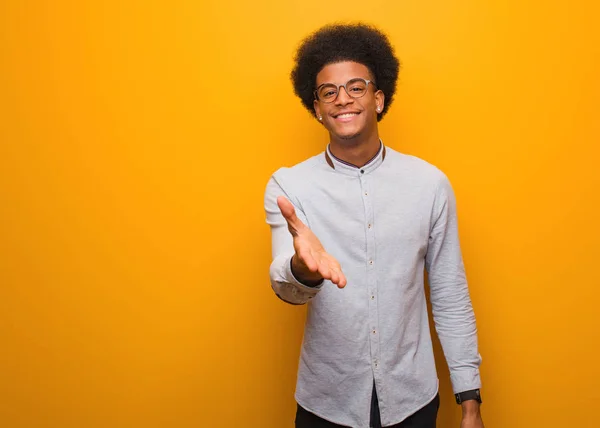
<point x="349" y="169"/>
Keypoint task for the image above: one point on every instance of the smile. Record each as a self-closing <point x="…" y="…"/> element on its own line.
<point x="344" y="117"/>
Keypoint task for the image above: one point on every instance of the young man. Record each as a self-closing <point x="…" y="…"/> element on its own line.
<point x="353" y="230"/>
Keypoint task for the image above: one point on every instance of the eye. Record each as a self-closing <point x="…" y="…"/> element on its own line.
<point x="327" y="92"/>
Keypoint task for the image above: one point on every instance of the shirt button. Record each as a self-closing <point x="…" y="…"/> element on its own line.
<point x="362" y="171"/>
<point x="365" y="193"/>
<point x="372" y="297"/>
<point x="370" y="262"/>
<point x="370" y="225"/>
<point x="374" y="331"/>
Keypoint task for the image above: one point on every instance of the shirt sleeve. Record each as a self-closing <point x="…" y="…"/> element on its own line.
<point x="283" y="282"/>
<point x="450" y="300"/>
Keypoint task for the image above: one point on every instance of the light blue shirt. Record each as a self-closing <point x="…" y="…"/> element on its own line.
<point x="385" y="223"/>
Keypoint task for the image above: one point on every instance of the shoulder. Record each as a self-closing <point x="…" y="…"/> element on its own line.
<point x="297" y="175"/>
<point x="293" y="181"/>
<point x="415" y="167"/>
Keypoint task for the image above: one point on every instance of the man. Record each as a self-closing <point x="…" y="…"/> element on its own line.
<point x="369" y="220"/>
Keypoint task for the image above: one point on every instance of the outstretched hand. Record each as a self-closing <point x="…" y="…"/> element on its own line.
<point x="311" y="262"/>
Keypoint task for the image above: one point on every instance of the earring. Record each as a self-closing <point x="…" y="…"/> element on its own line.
<point x="378" y="108"/>
<point x="320" y="117"/>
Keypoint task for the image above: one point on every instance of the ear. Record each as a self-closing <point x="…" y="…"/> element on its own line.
<point x="317" y="109"/>
<point x="379" y="100"/>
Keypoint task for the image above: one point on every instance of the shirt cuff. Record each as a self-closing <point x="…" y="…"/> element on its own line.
<point x="465" y="380"/>
<point x="289" y="277"/>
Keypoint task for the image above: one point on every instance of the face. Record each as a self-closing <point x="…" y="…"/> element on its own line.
<point x="348" y="118"/>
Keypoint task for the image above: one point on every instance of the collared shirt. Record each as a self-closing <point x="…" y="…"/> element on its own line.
<point x="386" y="223"/>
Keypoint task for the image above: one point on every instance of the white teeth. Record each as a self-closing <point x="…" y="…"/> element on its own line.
<point x="345" y="115"/>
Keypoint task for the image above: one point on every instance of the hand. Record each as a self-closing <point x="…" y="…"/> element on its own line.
<point x="471" y="415"/>
<point x="311" y="262"/>
<point x="472" y="422"/>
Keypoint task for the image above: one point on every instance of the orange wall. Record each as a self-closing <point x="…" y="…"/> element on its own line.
<point x="136" y="139"/>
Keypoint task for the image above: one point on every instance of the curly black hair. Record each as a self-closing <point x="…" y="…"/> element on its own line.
<point x="334" y="43"/>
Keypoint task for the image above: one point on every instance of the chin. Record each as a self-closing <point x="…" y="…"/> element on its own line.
<point x="349" y="136"/>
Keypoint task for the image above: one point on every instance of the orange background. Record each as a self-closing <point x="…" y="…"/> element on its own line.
<point x="136" y="139"/>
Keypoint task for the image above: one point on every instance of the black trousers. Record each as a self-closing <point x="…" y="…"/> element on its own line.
<point x="423" y="418"/>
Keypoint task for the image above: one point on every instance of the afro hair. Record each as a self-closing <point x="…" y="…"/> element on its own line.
<point x="334" y="43"/>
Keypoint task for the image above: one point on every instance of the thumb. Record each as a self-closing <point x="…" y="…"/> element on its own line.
<point x="289" y="213"/>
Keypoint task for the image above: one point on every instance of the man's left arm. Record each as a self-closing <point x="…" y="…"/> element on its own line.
<point x="451" y="303"/>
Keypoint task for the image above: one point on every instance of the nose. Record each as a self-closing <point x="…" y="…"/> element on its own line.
<point x="343" y="98"/>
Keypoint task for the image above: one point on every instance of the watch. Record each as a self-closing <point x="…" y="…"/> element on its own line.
<point x="473" y="394"/>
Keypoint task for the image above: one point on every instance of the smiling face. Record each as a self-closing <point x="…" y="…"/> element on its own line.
<point x="349" y="118"/>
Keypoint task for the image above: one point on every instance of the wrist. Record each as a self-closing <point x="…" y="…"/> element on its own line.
<point x="303" y="275"/>
<point x="470" y="408"/>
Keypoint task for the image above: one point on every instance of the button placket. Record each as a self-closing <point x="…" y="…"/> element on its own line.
<point x="371" y="277"/>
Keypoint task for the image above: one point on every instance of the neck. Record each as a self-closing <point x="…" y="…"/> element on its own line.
<point x="357" y="151"/>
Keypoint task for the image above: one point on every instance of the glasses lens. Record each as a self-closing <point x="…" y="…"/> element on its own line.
<point x="356" y="87"/>
<point x="327" y="93"/>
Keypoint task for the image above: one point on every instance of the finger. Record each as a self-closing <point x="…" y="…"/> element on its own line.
<point x="339" y="274"/>
<point x="335" y="276"/>
<point x="343" y="281"/>
<point x="324" y="271"/>
<point x="289" y="213"/>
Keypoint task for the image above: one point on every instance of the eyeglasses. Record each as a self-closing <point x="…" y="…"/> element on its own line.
<point x="356" y="88"/>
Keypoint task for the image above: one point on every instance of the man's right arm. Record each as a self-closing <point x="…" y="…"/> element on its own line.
<point x="287" y="281"/>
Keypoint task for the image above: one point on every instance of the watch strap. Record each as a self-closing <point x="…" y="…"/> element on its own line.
<point x="473" y="394"/>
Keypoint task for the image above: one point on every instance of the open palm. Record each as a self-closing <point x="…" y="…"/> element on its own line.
<point x="311" y="260"/>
